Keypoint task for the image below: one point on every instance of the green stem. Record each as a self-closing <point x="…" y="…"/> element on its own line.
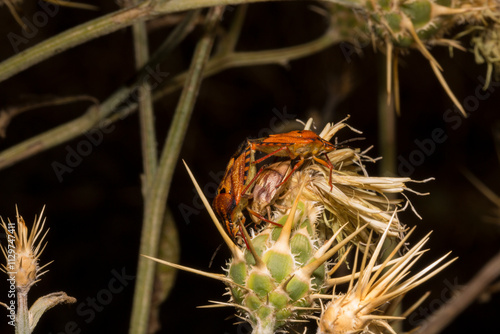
<point x="386" y="121"/>
<point x="90" y="119"/>
<point x="22" y="317"/>
<point x="146" y="114"/>
<point x="281" y="56"/>
<point x="72" y="37"/>
<point x="157" y="197"/>
<point x="62" y="133"/>
<point x="228" y="42"/>
<point x="102" y="26"/>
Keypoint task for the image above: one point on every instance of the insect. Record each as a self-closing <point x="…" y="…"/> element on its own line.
<point x="233" y="191"/>
<point x="230" y="198"/>
<point x="267" y="189"/>
<point x="300" y="144"/>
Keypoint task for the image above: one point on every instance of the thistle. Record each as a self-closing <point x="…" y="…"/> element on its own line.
<point x="352" y="198"/>
<point x="277" y="276"/>
<point x="363" y="308"/>
<point x="22" y="253"/>
<point x="272" y="282"/>
<point x="397" y="26"/>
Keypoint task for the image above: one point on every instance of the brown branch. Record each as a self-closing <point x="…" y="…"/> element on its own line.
<point x="462" y="299"/>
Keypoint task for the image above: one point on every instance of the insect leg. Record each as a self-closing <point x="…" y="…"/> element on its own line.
<point x="327" y="164"/>
<point x="270" y="154"/>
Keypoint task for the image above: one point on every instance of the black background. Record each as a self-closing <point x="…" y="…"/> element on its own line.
<point x="95" y="213"/>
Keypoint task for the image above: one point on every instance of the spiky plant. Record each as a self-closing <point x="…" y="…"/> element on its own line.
<point x="397" y="26"/>
<point x="276" y="276"/>
<point x="363" y="307"/>
<point x="22" y="254"/>
<point x="272" y="282"/>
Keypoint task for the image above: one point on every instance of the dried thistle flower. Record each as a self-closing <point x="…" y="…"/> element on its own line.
<point x="361" y="308"/>
<point x="22" y="254"/>
<point x="23" y="251"/>
<point x="352" y="198"/>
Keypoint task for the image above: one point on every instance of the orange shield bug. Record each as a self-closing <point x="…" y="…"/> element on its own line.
<point x="230" y="198"/>
<point x="294" y="144"/>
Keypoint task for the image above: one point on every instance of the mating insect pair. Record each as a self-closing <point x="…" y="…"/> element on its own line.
<point x="233" y="192"/>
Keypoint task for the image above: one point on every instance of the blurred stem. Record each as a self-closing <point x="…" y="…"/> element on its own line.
<point x="230" y="59"/>
<point x="228" y="43"/>
<point x="145" y="106"/>
<point x="8" y="113"/>
<point x="22" y="317"/>
<point x="169" y="250"/>
<point x="462" y="298"/>
<point x="75" y="36"/>
<point x="386" y="122"/>
<point x="157" y="196"/>
<point x="102" y="26"/>
<point x="387" y="144"/>
<point x="101" y="115"/>
<point x="63" y="133"/>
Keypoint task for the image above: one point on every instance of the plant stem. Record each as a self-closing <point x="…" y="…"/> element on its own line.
<point x="145" y="103"/>
<point x="281" y="56"/>
<point x="386" y="122"/>
<point x="228" y="42"/>
<point x="22" y="318"/>
<point x="156" y="198"/>
<point x="72" y="37"/>
<point x="109" y="113"/>
<point x="462" y="298"/>
<point x="102" y="26"/>
<point x="62" y="133"/>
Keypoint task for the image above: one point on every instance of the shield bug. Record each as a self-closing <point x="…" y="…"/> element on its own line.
<point x="230" y="198"/>
<point x="268" y="186"/>
<point x="300" y="144"/>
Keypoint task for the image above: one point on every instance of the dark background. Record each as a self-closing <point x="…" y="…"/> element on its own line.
<point x="95" y="213"/>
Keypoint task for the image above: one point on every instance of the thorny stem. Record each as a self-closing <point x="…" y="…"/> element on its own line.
<point x="157" y="196"/>
<point x="462" y="298"/>
<point x="92" y="118"/>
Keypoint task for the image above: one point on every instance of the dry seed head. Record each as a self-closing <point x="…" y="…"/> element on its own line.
<point x="23" y="251"/>
<point x="375" y="287"/>
<point x="352" y="198"/>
